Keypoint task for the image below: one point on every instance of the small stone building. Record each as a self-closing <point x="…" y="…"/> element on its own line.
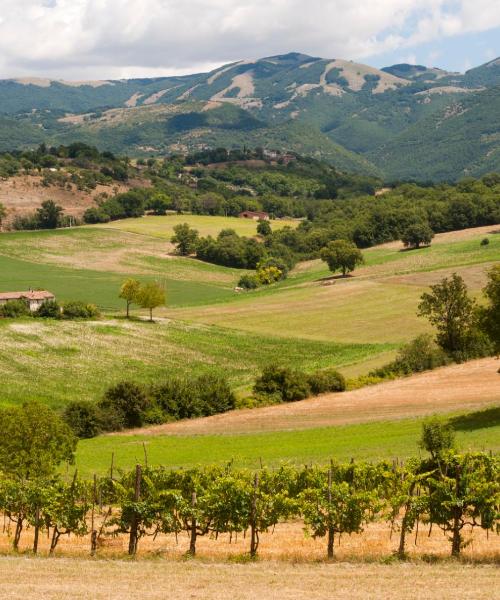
<point x="255" y="215"/>
<point x="34" y="299"/>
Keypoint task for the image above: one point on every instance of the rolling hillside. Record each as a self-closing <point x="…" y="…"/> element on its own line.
<point x="357" y="117"/>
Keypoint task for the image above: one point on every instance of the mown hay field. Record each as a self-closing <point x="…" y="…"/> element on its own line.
<point x="23" y="578"/>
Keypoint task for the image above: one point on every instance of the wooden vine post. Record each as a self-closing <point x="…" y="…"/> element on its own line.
<point x="254" y="542"/>
<point x="331" y="530"/>
<point x="93" y="534"/>
<point x="134" y="525"/>
<point x="194" y="525"/>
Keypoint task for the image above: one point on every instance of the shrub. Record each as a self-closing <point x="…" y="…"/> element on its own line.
<point x="421" y="354"/>
<point x="249" y="282"/>
<point x="288" y="384"/>
<point x="485" y="242"/>
<point x="326" y="380"/>
<point x="207" y="395"/>
<point x="214" y="394"/>
<point x="83" y="418"/>
<point x="13" y="309"/>
<point x="269" y="275"/>
<point x="174" y="398"/>
<point x="96" y="215"/>
<point x="50" y="309"/>
<point x="76" y="309"/>
<point x="124" y="405"/>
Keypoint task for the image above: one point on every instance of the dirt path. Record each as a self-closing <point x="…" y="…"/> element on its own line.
<point x="459" y="387"/>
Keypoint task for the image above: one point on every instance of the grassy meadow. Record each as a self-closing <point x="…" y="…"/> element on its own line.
<point x="163" y="226"/>
<point x="367" y="441"/>
<point x="56" y="362"/>
<point x="312" y="320"/>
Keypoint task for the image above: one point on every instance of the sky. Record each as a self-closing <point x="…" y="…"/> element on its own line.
<point x="114" y="39"/>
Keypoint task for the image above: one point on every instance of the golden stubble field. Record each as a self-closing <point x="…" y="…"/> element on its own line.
<point x="83" y="579"/>
<point x="290" y="566"/>
<point x="287" y="543"/>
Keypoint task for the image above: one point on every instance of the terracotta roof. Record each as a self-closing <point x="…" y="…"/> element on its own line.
<point x="31" y="295"/>
<point x="254" y="213"/>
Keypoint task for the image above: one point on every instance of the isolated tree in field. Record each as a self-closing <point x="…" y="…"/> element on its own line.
<point x="450" y="309"/>
<point x="151" y="295"/>
<point x="34" y="441"/>
<point x="264" y="228"/>
<point x="417" y="234"/>
<point x="49" y="215"/>
<point x="490" y="314"/>
<point x="129" y="292"/>
<point x="341" y="255"/>
<point x="185" y="238"/>
<point x="3" y="214"/>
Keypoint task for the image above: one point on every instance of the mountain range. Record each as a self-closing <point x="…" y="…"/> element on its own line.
<point x="400" y="122"/>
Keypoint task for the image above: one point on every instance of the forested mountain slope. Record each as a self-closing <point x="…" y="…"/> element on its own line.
<point x="355" y="116"/>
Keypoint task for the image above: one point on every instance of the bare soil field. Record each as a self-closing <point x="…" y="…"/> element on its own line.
<point x="23" y="578"/>
<point x="469" y="386"/>
<point x="24" y="194"/>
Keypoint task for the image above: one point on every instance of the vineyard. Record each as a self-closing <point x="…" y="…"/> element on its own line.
<point x="455" y="494"/>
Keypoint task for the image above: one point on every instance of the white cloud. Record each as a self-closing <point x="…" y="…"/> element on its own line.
<point x="123" y="38"/>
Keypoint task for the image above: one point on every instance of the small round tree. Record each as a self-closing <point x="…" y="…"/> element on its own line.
<point x="129" y="292"/>
<point x="341" y="255"/>
<point x="185" y="238"/>
<point x="417" y="234"/>
<point x="151" y="295"/>
<point x="264" y="228"/>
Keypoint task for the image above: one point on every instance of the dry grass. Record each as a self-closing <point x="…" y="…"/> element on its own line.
<point x="24" y="193"/>
<point x="291" y="566"/>
<point x="453" y="236"/>
<point x="30" y="579"/>
<point x="469" y="386"/>
<point x="287" y="542"/>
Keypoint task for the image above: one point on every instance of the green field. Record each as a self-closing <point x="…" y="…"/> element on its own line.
<point x="309" y="321"/>
<point x="378" y="304"/>
<point x="56" y="362"/>
<point x="90" y="264"/>
<point x="371" y="441"/>
<point x="163" y="226"/>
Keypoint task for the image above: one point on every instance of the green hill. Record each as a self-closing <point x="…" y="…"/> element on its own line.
<point x="355" y="116"/>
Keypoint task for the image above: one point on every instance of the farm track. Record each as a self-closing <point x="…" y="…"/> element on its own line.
<point x="470" y="386"/>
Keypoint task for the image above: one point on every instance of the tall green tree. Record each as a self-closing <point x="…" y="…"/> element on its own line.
<point x="34" y="441"/>
<point x="185" y="238"/>
<point x="449" y="308"/>
<point x="490" y="314"/>
<point x="417" y="234"/>
<point x="341" y="255"/>
<point x="151" y="295"/>
<point x="129" y="292"/>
